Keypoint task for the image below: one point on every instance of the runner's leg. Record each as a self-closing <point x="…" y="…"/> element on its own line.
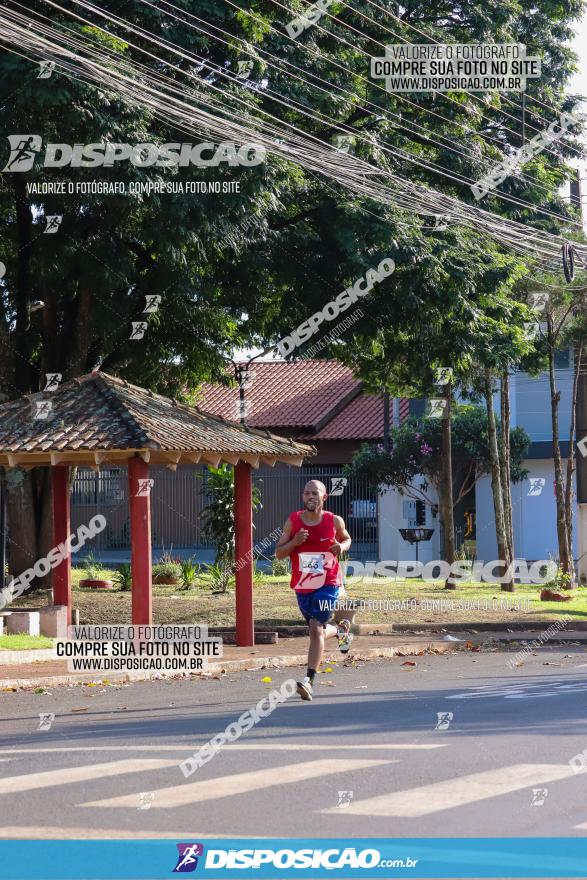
<point x="319" y="630"/>
<point x="316" y="644"/>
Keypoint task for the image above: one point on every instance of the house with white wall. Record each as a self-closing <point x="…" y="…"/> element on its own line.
<point x="533" y="499"/>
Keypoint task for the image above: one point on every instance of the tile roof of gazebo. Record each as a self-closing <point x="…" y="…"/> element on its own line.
<point x="99" y="418"/>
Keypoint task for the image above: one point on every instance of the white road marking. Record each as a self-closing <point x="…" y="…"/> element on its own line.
<point x="67" y="775"/>
<point x="253" y="747"/>
<point x="240" y="783"/>
<point x="53" y="832"/>
<point x="439" y="796"/>
<point x="520" y="691"/>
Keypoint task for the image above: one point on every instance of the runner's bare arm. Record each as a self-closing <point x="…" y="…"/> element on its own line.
<point x="286" y="543"/>
<point x="343" y="539"/>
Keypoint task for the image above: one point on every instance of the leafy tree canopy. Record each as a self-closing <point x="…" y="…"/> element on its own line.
<point x="416" y="449"/>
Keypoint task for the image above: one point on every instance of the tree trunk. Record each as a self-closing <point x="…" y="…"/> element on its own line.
<point x="25" y="376"/>
<point x="504" y="464"/>
<point x="28" y="508"/>
<point x="561" y="524"/>
<point x="507" y="583"/>
<point x="571" y="461"/>
<point x="445" y="495"/>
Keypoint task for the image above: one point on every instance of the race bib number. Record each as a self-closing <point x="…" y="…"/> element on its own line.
<point x="315" y="570"/>
<point x="312" y="563"/>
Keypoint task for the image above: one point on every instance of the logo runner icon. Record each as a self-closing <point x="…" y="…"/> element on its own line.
<point x="188" y="857"/>
<point x="24" y="149"/>
<point x="338" y="485"/>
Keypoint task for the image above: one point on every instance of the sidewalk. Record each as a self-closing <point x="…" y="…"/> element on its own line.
<point x="288" y="652"/>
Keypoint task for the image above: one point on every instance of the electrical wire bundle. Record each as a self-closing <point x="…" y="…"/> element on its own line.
<point x="200" y="106"/>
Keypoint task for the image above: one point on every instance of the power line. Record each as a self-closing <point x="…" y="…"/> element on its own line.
<point x="426" y="163"/>
<point x="352" y="173"/>
<point x="379" y="111"/>
<point x="437" y="42"/>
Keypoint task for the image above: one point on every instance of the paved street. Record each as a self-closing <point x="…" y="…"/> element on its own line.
<point x="108" y="766"/>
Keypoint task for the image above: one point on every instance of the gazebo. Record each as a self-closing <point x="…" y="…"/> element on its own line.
<point x="99" y="419"/>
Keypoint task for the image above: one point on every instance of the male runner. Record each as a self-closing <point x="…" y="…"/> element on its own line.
<point x="314" y="539"/>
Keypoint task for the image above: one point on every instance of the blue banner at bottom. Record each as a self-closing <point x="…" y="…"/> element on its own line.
<point x="383" y="858"/>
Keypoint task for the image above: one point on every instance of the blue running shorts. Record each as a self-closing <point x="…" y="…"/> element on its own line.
<point x="319" y="604"/>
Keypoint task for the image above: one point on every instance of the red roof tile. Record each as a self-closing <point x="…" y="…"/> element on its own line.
<point x="362" y="419"/>
<point x="102" y="412"/>
<point x="300" y="394"/>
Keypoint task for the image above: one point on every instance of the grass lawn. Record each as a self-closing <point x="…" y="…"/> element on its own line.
<point x="24" y="643"/>
<point x="275" y="603"/>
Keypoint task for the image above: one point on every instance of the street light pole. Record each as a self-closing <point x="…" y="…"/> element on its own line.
<point x="241" y="371"/>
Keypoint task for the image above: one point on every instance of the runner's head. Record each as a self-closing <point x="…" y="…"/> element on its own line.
<point x="314" y="496"/>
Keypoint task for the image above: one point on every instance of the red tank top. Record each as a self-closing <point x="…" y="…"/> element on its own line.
<point x="312" y="564"/>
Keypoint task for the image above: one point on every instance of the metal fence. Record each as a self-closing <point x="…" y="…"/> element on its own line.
<point x="281" y="492"/>
<point x="178" y="498"/>
<point x="177" y="501"/>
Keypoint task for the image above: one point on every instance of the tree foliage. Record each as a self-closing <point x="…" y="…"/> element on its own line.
<point x="416" y="449"/>
<point x="247" y="268"/>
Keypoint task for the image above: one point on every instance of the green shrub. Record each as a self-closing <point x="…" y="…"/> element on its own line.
<point x="123" y="577"/>
<point x="167" y="567"/>
<point x="220" y="576"/>
<point x="259" y="576"/>
<point x="189" y="573"/>
<point x="561" y="581"/>
<point x="280" y="567"/>
<point x="92" y="570"/>
<point x="217" y="518"/>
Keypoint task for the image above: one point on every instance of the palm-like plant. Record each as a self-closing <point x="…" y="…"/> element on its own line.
<point x="123" y="577"/>
<point x="189" y="573"/>
<point x="218" y="519"/>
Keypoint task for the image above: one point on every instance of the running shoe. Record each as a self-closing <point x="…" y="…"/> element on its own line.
<point x="345" y="636"/>
<point x="305" y="688"/>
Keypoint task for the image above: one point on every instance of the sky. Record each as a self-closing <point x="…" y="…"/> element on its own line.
<point x="579" y="82"/>
<point x="578" y="86"/>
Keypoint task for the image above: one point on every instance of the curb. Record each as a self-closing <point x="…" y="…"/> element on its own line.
<point x="31" y="655"/>
<point x="384" y="629"/>
<point x="514" y="626"/>
<point x="409" y="649"/>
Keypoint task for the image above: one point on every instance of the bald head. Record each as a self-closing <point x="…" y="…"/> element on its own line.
<point x="314" y="496"/>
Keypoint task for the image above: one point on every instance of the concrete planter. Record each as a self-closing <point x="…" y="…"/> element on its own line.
<point x="54" y="621"/>
<point x="26" y="623"/>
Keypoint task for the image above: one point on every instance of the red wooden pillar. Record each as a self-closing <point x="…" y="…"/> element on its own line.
<point x="243" y="527"/>
<point x="61" y="533"/>
<point x="139" y="499"/>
